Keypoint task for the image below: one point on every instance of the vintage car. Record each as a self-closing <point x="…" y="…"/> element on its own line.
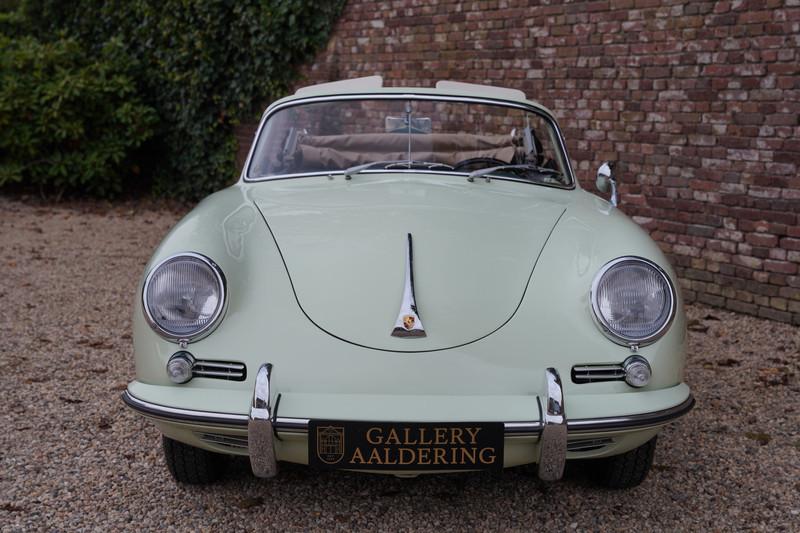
<point x="407" y="281"/>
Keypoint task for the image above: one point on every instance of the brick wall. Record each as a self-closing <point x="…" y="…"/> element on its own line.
<point x="697" y="101"/>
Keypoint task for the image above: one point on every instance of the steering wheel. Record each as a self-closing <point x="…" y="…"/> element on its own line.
<point x="484" y="162"/>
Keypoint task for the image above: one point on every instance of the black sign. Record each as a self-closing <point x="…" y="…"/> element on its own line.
<point x="405" y="446"/>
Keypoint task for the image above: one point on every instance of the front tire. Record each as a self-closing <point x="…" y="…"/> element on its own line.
<point x="626" y="470"/>
<point x="191" y="465"/>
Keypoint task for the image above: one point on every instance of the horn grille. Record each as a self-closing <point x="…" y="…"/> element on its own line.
<point x="219" y="370"/>
<point x="597" y="373"/>
<point x="238" y="442"/>
<point x="587" y="445"/>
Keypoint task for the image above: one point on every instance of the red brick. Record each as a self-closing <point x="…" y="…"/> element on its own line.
<point x="748" y="118"/>
<point x="791" y="293"/>
<point x="747" y="261"/>
<point x="772" y="314"/>
<point x="790" y="243"/>
<point x="762" y="239"/>
<point x="777" y="279"/>
<point x="741" y="307"/>
<point x="784" y="267"/>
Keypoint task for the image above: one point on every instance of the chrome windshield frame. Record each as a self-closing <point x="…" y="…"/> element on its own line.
<point x="246" y="178"/>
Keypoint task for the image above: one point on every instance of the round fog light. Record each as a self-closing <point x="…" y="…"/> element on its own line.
<point x="179" y="367"/>
<point x="637" y="371"/>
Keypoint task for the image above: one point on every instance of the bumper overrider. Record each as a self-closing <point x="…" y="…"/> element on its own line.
<point x="550" y="427"/>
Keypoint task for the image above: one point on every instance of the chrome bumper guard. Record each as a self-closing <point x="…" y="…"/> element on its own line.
<point x="553" y="439"/>
<point x="551" y="428"/>
<point x="260" y="433"/>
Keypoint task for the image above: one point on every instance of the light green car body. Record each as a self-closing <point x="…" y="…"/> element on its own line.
<point x="503" y="270"/>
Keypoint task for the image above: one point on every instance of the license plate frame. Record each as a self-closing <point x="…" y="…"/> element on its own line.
<point x="418" y="446"/>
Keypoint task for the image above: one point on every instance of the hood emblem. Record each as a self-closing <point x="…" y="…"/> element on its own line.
<point x="408" y="323"/>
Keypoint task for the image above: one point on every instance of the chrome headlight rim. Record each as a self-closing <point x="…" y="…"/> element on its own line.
<point x="607" y="330"/>
<point x="216" y="318"/>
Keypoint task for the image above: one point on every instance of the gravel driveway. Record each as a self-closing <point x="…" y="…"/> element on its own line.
<point x="72" y="457"/>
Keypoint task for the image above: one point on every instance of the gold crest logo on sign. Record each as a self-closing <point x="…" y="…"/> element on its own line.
<point x="330" y="444"/>
<point x="409" y="321"/>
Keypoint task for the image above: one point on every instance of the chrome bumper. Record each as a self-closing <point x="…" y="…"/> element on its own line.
<point x="551" y="426"/>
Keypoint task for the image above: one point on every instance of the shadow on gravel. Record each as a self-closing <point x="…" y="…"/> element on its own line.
<point x="576" y="473"/>
<point x="440" y="487"/>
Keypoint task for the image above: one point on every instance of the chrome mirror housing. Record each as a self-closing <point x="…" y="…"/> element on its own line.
<point x="605" y="180"/>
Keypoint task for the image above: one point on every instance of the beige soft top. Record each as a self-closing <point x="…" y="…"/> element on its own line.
<point x="343" y="151"/>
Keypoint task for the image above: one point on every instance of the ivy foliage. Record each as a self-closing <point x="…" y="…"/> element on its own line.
<point x="202" y="65"/>
<point x="68" y="121"/>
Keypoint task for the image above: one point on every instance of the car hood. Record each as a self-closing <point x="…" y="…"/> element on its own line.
<point x="344" y="242"/>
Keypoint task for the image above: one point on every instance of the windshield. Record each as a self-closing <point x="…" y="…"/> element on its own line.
<point x="443" y="136"/>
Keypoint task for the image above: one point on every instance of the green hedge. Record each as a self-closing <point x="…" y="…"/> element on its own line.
<point x="203" y="65"/>
<point x="68" y="121"/>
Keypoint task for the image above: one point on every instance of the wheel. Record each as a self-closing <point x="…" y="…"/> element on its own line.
<point x="626" y="470"/>
<point x="478" y="162"/>
<point x="188" y="464"/>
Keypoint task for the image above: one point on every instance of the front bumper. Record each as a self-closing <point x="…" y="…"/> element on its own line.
<point x="537" y="428"/>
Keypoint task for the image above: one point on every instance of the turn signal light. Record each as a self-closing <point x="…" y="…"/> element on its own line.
<point x="637" y="371"/>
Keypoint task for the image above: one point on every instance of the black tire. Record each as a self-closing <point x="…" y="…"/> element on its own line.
<point x="191" y="465"/>
<point x="627" y="470"/>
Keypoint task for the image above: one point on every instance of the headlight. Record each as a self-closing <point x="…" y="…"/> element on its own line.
<point x="184" y="296"/>
<point x="633" y="300"/>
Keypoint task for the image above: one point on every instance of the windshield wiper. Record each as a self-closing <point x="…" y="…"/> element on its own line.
<point x="425" y="164"/>
<point x="528" y="168"/>
<point x="396" y="163"/>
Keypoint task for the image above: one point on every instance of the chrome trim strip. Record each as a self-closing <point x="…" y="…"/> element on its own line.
<point x="218" y="313"/>
<point x="523" y="429"/>
<point x="245" y="176"/>
<point x="175" y="414"/>
<point x="300" y="425"/>
<point x="598" y="368"/>
<point x="513" y="427"/>
<point x="229" y="366"/>
<point x="408" y="323"/>
<point x="291" y="425"/>
<point x="240" y="441"/>
<point x="495" y="177"/>
<point x="642" y="420"/>
<point x="601" y="322"/>
<point x="233" y="375"/>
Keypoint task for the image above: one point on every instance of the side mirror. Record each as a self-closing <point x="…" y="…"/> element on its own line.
<point x="605" y="181"/>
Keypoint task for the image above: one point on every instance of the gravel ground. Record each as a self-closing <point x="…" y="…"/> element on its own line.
<point x="73" y="458"/>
